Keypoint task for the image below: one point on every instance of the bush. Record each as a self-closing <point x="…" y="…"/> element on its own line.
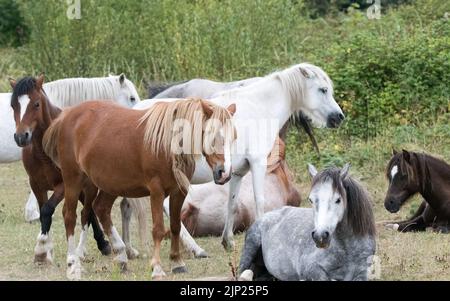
<point x="392" y="71"/>
<point x="12" y="29"/>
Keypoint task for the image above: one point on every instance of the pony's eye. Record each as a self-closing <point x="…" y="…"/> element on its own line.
<point x="338" y="201"/>
<point x="324" y="90"/>
<point x="310" y="200"/>
<point x="36" y="104"/>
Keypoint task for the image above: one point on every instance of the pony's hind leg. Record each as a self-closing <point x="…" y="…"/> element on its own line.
<point x="102" y="208"/>
<point x="126" y="212"/>
<point x="175" y="204"/>
<point x="187" y="240"/>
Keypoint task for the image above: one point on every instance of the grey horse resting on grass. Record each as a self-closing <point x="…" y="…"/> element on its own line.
<point x="335" y="240"/>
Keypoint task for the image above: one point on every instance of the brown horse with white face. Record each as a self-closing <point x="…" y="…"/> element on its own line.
<point x="33" y="114"/>
<point x="134" y="154"/>
<point x="410" y="173"/>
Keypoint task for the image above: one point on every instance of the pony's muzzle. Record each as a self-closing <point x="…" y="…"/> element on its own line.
<point x="23" y="139"/>
<point x="220" y="176"/>
<point x="392" y="205"/>
<point x="322" y="239"/>
<point x="335" y="119"/>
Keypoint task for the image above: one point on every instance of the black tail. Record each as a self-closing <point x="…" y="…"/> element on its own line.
<point x="156" y="88"/>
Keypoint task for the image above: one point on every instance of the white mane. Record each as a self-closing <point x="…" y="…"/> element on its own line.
<point x="73" y="91"/>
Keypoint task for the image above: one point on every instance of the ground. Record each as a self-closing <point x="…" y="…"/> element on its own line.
<point x="403" y="256"/>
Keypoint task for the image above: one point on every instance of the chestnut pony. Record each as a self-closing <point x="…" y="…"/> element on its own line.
<point x="92" y="143"/>
<point x="33" y="114"/>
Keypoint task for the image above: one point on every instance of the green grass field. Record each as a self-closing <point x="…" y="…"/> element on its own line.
<point x="403" y="256"/>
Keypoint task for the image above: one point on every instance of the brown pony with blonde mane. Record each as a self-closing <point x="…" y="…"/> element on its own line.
<point x="135" y="154"/>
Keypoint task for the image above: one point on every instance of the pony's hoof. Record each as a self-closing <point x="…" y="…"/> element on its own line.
<point x="123" y="266"/>
<point x="247" y="275"/>
<point x="228" y="244"/>
<point x="392" y="226"/>
<point x="201" y="254"/>
<point x="43" y="259"/>
<point x="132" y="253"/>
<point x="180" y="270"/>
<point x="158" y="273"/>
<point x="106" y="249"/>
<point x="73" y="268"/>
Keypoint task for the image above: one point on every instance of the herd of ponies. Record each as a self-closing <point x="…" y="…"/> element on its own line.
<point x="92" y="140"/>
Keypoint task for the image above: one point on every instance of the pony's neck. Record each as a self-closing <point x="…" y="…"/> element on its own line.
<point x="426" y="189"/>
<point x="265" y="96"/>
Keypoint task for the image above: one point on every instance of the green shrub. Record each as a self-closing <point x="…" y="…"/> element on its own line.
<point x="12" y="29"/>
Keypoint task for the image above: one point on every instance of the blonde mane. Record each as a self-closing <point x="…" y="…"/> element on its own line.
<point x="162" y="122"/>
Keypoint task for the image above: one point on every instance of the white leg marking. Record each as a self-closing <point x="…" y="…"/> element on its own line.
<point x="118" y="246"/>
<point x="73" y="261"/>
<point x="81" y="249"/>
<point x="32" y="209"/>
<point x="247" y="275"/>
<point x="44" y="245"/>
<point x="227" y="235"/>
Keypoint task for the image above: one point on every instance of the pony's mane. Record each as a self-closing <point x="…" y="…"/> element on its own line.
<point x="159" y="131"/>
<point x="418" y="169"/>
<point x="23" y="86"/>
<point x="359" y="209"/>
<point x="276" y="164"/>
<point x="73" y="91"/>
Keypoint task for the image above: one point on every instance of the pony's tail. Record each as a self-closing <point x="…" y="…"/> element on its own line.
<point x="50" y="140"/>
<point x="140" y="208"/>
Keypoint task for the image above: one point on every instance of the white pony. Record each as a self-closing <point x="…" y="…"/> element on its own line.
<point x="63" y="93"/>
<point x="263" y="107"/>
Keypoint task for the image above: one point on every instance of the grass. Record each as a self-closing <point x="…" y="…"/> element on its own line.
<point x="403" y="256"/>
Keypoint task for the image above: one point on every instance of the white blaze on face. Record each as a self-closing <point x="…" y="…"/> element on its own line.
<point x="327" y="213"/>
<point x="394" y="171"/>
<point x="227" y="152"/>
<point x="24" y="100"/>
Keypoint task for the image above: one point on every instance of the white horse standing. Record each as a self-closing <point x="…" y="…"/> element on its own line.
<point x="262" y="109"/>
<point x="64" y="93"/>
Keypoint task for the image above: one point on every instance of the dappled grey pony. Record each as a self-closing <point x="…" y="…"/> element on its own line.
<point x="335" y="240"/>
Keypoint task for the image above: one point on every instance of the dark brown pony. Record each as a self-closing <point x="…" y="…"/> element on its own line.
<point x="410" y="173"/>
<point x="33" y="114"/>
<point x="132" y="153"/>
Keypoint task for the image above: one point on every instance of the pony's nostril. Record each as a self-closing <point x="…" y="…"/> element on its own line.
<point x="341" y="116"/>
<point x="313" y="234"/>
<point x="27" y="135"/>
<point x="326" y="234"/>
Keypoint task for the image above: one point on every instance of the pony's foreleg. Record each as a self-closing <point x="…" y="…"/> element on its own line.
<point x="126" y="212"/>
<point x="227" y="235"/>
<point x="186" y="238"/>
<point x="258" y="176"/>
<point x="102" y="208"/>
<point x="31" y="209"/>
<point x="176" y="202"/>
<point x="43" y="248"/>
<point x="71" y="195"/>
<point x="415" y="223"/>
<point x="158" y="231"/>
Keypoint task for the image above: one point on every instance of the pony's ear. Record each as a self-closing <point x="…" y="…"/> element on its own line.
<point x="207" y="109"/>
<point x="406" y="156"/>
<point x="394" y="152"/>
<point x="12" y="82"/>
<point x="232" y="109"/>
<point x="122" y="79"/>
<point x="305" y="72"/>
<point x="40" y="80"/>
<point x="344" y="171"/>
<point x="312" y="170"/>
